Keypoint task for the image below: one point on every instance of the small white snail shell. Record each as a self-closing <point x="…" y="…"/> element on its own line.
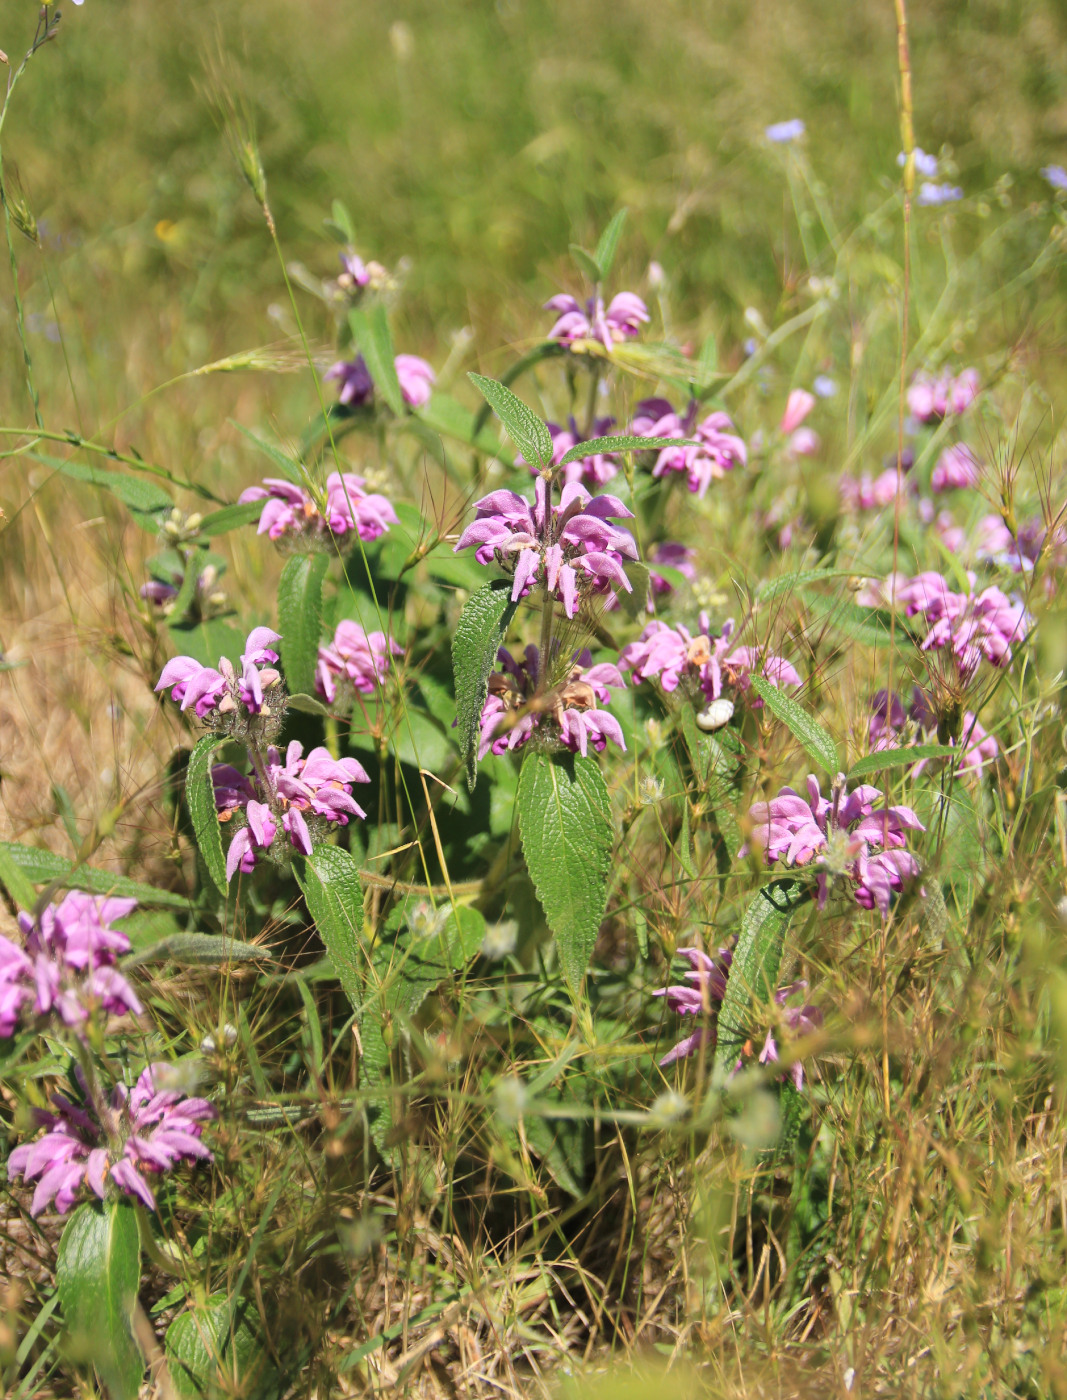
<point x="715" y="715"/>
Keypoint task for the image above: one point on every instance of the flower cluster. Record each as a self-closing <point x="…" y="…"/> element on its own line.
<point x="514" y="707"/>
<point x="715" y="451"/>
<point x="890" y="725"/>
<point x="66" y="965"/>
<point x="577" y="323"/>
<point x="931" y="194"/>
<point x="843" y="834"/>
<point x="225" y="698"/>
<point x="572" y="546"/>
<point x="354" y="655"/>
<point x="281" y="798"/>
<point x="971" y="626"/>
<point x="595" y="470"/>
<point x="1020" y="552"/>
<point x="956" y="469"/>
<point x="289" y="511"/>
<point x="865" y="493"/>
<point x="145" y="1132"/>
<point x="934" y="397"/>
<point x="704" y="664"/>
<point x="701" y="994"/>
<point x="416" y="378"/>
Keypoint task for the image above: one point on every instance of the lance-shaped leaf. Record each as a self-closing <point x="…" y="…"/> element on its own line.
<point x="43" y="867"/>
<point x="608" y="244"/>
<point x="528" y="432"/>
<point x="98" y="1272"/>
<point x="479" y="633"/>
<point x="231" y="517"/>
<point x="142" y="497"/>
<point x="586" y="263"/>
<point x="757" y="958"/>
<point x="200" y="797"/>
<point x="17" y="883"/>
<point x="300" y="618"/>
<point x="334" y="896"/>
<point x="898" y="758"/>
<point x="565" y="822"/>
<point x="370" y="330"/>
<point x="620" y="444"/>
<point x="808" y="732"/>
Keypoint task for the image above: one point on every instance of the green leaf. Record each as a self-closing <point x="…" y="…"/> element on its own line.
<point x="608" y="245"/>
<point x="634" y="603"/>
<point x="786" y="583"/>
<point x="479" y="633"/>
<point x="231" y="517"/>
<point x="300" y="618"/>
<point x="370" y="331"/>
<point x="528" y="432"/>
<point x="618" y="444"/>
<point x="45" y="867"/>
<point x="334" y="898"/>
<point x="98" y="1272"/>
<point x="15" y="880"/>
<point x="757" y="958"/>
<point x="281" y="459"/>
<point x="343" y="219"/>
<point x="898" y="758"/>
<point x="307" y="705"/>
<point x="565" y="822"/>
<point x="200" y="796"/>
<point x="213" y="1350"/>
<point x="197" y="950"/>
<point x="808" y="732"/>
<point x="447" y="416"/>
<point x="142" y="497"/>
<point x="586" y="263"/>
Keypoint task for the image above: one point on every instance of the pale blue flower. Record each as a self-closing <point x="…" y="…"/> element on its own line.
<point x="824" y="386"/>
<point x="1056" y="176"/>
<point x="938" y="194"/>
<point x="783" y="132"/>
<point x="925" y="163"/>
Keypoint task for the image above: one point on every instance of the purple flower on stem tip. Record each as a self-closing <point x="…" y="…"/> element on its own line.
<point x="150" y="1132"/>
<point x="290" y="513"/>
<point x="416" y="378"/>
<point x="66" y="965"/>
<point x="891" y="727"/>
<point x="360" y="657"/>
<point x="700" y="994"/>
<point x="575" y="550"/>
<point x="956" y="469"/>
<point x="716" y="451"/>
<point x="703" y="664"/>
<point x="843" y="834"/>
<point x="568" y="711"/>
<point x="783" y="133"/>
<point x="595" y="470"/>
<point x="291" y="795"/>
<point x="577" y="323"/>
<point x="934" y="397"/>
<point x="794" y="1022"/>
<point x="971" y="626"/>
<point x="215" y="695"/>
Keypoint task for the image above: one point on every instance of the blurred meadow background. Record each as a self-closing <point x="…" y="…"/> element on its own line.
<point x="471" y="144"/>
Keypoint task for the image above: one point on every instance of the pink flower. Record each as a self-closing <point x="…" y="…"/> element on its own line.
<point x="715" y="452"/>
<point x="361" y="658"/>
<point x="290" y="512"/>
<point x="798" y="406"/>
<point x="151" y="1131"/>
<point x="843" y="834"/>
<point x="972" y="626"/>
<point x="594" y="470"/>
<point x="567" y="711"/>
<point x="416" y="378"/>
<point x="224" y="693"/>
<point x="864" y="494"/>
<point x="574" y="548"/>
<point x="576" y="323"/>
<point x="956" y="468"/>
<point x="930" y="399"/>
<point x="673" y="656"/>
<point x="889" y="728"/>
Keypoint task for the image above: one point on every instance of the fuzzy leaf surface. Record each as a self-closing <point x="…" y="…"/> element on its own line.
<point x="807" y="731"/>
<point x="753" y="978"/>
<point x="334" y="898"/>
<point x="481" y="629"/>
<point x="42" y="867"/>
<point x="200" y="796"/>
<point x="98" y="1273"/>
<point x="619" y="444"/>
<point x="300" y="619"/>
<point x="898" y="758"/>
<point x="529" y="434"/>
<point x="213" y="1347"/>
<point x="565" y="822"/>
